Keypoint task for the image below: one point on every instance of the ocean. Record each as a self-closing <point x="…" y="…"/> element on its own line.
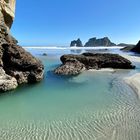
<point x="90" y="106"/>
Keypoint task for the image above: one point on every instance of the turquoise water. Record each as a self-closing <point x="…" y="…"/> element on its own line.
<point x="91" y="106"/>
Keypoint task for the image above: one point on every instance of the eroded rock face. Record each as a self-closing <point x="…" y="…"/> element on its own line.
<point x="71" y="67"/>
<point x="21" y="64"/>
<point x="70" y="63"/>
<point x="7" y="13"/>
<point x="16" y="65"/>
<point x="7" y="82"/>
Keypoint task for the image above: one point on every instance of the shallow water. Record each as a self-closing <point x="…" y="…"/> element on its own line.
<point x="91" y="106"/>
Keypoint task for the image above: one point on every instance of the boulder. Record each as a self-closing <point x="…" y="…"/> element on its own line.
<point x="21" y="64"/>
<point x="71" y="67"/>
<point x="88" y="61"/>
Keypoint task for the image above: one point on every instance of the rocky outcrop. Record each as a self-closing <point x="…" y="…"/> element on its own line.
<point x="77" y="43"/>
<point x="70" y="67"/>
<point x="16" y="65"/>
<point x="92" y="42"/>
<point x="136" y="48"/>
<point x="21" y="64"/>
<point x="86" y="61"/>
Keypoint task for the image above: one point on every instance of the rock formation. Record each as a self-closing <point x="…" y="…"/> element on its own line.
<point x="7" y="13"/>
<point x="136" y="48"/>
<point x="99" y="42"/>
<point x="16" y="65"/>
<point x="124" y="45"/>
<point x="75" y="64"/>
<point x="77" y="43"/>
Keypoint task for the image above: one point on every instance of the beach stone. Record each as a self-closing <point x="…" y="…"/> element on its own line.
<point x="92" y="61"/>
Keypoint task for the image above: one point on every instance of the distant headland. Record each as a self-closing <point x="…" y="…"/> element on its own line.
<point x="95" y="42"/>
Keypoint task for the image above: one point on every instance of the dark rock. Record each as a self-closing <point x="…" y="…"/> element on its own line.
<point x="44" y="54"/>
<point x="127" y="48"/>
<point x="91" y="61"/>
<point x="21" y="64"/>
<point x="77" y="43"/>
<point x="125" y="45"/>
<point x="136" y="48"/>
<point x="17" y="65"/>
<point x="99" y="42"/>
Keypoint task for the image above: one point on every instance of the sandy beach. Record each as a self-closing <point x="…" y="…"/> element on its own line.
<point x="134" y="80"/>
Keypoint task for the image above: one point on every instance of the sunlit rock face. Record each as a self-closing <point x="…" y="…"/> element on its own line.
<point x="16" y="65"/>
<point x="7" y="13"/>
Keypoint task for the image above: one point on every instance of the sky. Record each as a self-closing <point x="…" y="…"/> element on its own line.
<point x="58" y="22"/>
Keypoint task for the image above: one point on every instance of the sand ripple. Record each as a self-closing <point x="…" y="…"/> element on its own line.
<point x="121" y="122"/>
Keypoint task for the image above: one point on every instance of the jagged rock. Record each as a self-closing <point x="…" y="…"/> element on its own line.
<point x="71" y="67"/>
<point x="77" y="43"/>
<point x="99" y="42"/>
<point x="92" y="61"/>
<point x="17" y="65"/>
<point x="7" y="13"/>
<point x="7" y="82"/>
<point x="21" y="64"/>
<point x="136" y="48"/>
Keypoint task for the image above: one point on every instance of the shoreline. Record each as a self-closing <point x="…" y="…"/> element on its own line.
<point x="134" y="80"/>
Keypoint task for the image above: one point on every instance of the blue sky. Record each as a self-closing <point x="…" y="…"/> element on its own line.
<point x="57" y="22"/>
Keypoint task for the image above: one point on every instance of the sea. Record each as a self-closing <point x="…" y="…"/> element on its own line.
<point x="95" y="105"/>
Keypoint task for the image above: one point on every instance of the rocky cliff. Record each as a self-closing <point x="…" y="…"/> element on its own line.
<point x="16" y="65"/>
<point x="99" y="42"/>
<point x="7" y="13"/>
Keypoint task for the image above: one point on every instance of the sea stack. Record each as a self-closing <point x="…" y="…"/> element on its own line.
<point x="77" y="43"/>
<point x="16" y="65"/>
<point x="93" y="42"/>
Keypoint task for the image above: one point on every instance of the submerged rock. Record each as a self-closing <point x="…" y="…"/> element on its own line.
<point x="88" y="61"/>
